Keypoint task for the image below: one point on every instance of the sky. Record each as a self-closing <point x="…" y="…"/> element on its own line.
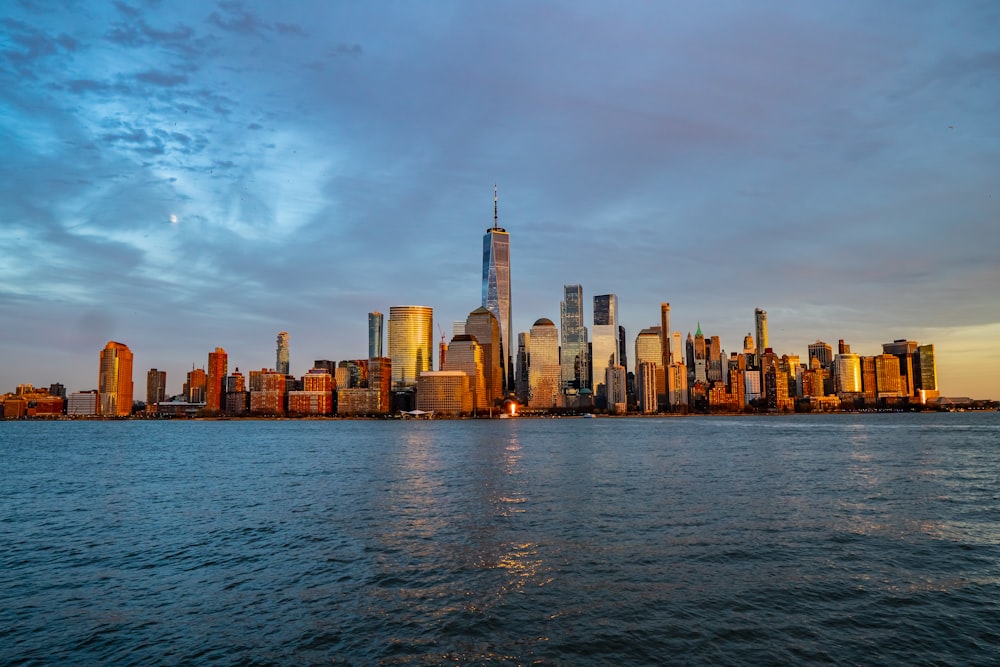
<point x="180" y="176"/>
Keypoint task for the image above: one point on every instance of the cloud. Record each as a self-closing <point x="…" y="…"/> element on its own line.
<point x="159" y="78"/>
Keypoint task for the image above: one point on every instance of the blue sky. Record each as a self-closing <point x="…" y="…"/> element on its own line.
<point x="184" y="175"/>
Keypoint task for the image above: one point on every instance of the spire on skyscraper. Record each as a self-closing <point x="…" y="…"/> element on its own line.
<point x="496" y="218"/>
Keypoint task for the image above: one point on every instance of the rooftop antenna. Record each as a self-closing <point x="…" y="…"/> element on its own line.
<point x="495" y="225"/>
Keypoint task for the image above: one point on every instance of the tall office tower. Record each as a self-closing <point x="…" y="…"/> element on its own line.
<point x="847" y="374"/>
<point x="665" y="335"/>
<point x="925" y="371"/>
<point x="380" y="380"/>
<point x="775" y="382"/>
<point x="614" y="381"/>
<point x="575" y="372"/>
<point x="689" y="357"/>
<point x="677" y="386"/>
<point x="214" y="386"/>
<point x="523" y="356"/>
<point x="715" y="373"/>
<point x="823" y="352"/>
<point x="282" y="365"/>
<point x="114" y="382"/>
<point x="544" y="371"/>
<point x="483" y="325"/>
<point x="700" y="357"/>
<point x="496" y="288"/>
<point x="794" y="374"/>
<point x="411" y="343"/>
<point x="645" y="385"/>
<point x="904" y="350"/>
<point x="375" y="320"/>
<point x="466" y="355"/>
<point x="869" y="384"/>
<point x="648" y="348"/>
<point x="888" y="380"/>
<point x="156" y="386"/>
<point x="842" y="347"/>
<point x="604" y="350"/>
<point x="760" y="329"/>
<point x="194" y="388"/>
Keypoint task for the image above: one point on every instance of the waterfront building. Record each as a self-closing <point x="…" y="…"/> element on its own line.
<point x="354" y="402"/>
<point x="194" y="387"/>
<point x="375" y="321"/>
<point x="380" y="380"/>
<point x="614" y="382"/>
<point x="889" y="382"/>
<point x="847" y="375"/>
<point x="114" y="383"/>
<point x="282" y="364"/>
<point x="342" y="378"/>
<point x="665" y="338"/>
<point x="715" y="359"/>
<point x="925" y="372"/>
<point x="648" y="348"/>
<point x="751" y="385"/>
<point x="466" y="355"/>
<point x="905" y="351"/>
<point x="411" y="343"/>
<point x="236" y="397"/>
<point x="775" y="380"/>
<point x="760" y="331"/>
<point x="604" y="347"/>
<point x="483" y="326"/>
<point x="270" y="398"/>
<point x="677" y="386"/>
<point x="496" y="288"/>
<point x="544" y="370"/>
<point x="444" y="392"/>
<point x="869" y="384"/>
<point x="316" y="396"/>
<point x="82" y="404"/>
<point x="814" y="379"/>
<point x="156" y="386"/>
<point x="737" y="384"/>
<point x="215" y="379"/>
<point x="575" y="366"/>
<point x="646" y="391"/>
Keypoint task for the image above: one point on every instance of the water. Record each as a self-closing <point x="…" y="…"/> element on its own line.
<point x="797" y="540"/>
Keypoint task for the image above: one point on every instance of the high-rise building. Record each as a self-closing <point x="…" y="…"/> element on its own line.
<point x="156" y="386"/>
<point x="375" y="335"/>
<point x="483" y="326"/>
<point x="645" y="384"/>
<point x="544" y="370"/>
<point x="614" y="382"/>
<point x="648" y="348"/>
<point x="523" y="355"/>
<point x="496" y="288"/>
<point x="269" y="399"/>
<point x="925" y="371"/>
<point x="889" y="382"/>
<point x="604" y="348"/>
<point x="114" y="383"/>
<point x="411" y="343"/>
<point x="665" y="335"/>
<point x="380" y="380"/>
<point x="466" y="355"/>
<point x="215" y="382"/>
<point x="847" y="375"/>
<point x="194" y="388"/>
<point x="700" y="357"/>
<point x="905" y="350"/>
<point x="823" y="352"/>
<point x="282" y="365"/>
<point x="575" y="365"/>
<point x="445" y="392"/>
<point x="760" y="330"/>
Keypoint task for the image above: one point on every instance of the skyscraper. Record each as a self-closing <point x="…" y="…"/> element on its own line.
<point x="482" y="325"/>
<point x="605" y="338"/>
<point x="156" y="386"/>
<point x="575" y="365"/>
<point x="374" y="335"/>
<point x="544" y="370"/>
<point x="215" y="383"/>
<point x="760" y="331"/>
<point x="411" y="343"/>
<point x="496" y="288"/>
<point x="114" y="382"/>
<point x="665" y="335"/>
<point x="281" y="365"/>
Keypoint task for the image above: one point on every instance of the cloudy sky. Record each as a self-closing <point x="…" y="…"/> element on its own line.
<point x="184" y="175"/>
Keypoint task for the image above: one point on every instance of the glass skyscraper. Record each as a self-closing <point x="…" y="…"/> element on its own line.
<point x="411" y="343"/>
<point x="375" y="335"/>
<point x="605" y="349"/>
<point x="496" y="288"/>
<point x="281" y="362"/>
<point x="575" y="373"/>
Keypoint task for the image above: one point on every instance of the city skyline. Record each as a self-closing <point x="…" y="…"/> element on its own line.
<point x="185" y="177"/>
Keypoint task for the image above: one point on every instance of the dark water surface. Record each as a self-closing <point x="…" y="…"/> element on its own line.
<point x="792" y="540"/>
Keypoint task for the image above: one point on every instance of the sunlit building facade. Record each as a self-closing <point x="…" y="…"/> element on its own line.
<point x="282" y="364"/>
<point x="760" y="332"/>
<point x="466" y="355"/>
<point x="156" y="386"/>
<point x="114" y="384"/>
<point x="411" y="343"/>
<point x="444" y="392"/>
<point x="604" y="348"/>
<point x="544" y="371"/>
<point x="216" y="379"/>
<point x="483" y="326"/>
<point x="375" y="323"/>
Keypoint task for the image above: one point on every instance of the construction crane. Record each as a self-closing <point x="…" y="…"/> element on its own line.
<point x="442" y="349"/>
